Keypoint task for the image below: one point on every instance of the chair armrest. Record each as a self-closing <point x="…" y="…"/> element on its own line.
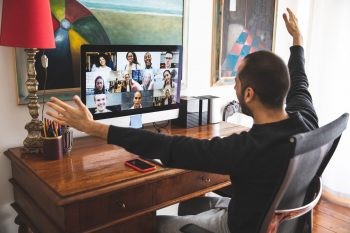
<point x="289" y="214"/>
<point x="192" y="228"/>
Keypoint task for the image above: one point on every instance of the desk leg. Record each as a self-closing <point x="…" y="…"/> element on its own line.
<point x="22" y="227"/>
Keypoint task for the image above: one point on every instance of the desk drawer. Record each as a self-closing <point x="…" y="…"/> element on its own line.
<point x="185" y="184"/>
<point x="113" y="206"/>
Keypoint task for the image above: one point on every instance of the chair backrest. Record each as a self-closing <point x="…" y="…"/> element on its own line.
<point x="311" y="152"/>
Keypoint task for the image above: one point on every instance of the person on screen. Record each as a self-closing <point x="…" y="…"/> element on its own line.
<point x="99" y="86"/>
<point x="101" y="103"/>
<point x="137" y="100"/>
<point x="168" y="80"/>
<point x="147" y="58"/>
<point x="275" y="95"/>
<point x="133" y="67"/>
<point x="167" y="98"/>
<point x="103" y="70"/>
<point x="147" y="77"/>
<point x="136" y="120"/>
<point x="102" y="64"/>
<point x="129" y="85"/>
<point x="168" y="59"/>
<point x="126" y="83"/>
<point x="132" y="63"/>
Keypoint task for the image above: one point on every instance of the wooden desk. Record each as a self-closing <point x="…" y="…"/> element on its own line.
<point x="93" y="191"/>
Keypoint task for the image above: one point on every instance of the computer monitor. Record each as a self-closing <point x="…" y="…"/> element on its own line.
<point x="124" y="84"/>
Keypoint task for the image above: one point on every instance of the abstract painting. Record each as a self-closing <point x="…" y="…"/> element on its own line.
<point x="240" y="27"/>
<point x="77" y="22"/>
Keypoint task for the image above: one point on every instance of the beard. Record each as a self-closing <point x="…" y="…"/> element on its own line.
<point x="148" y="65"/>
<point x="244" y="108"/>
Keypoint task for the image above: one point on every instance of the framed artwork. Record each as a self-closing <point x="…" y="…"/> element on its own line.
<point x="77" y="22"/>
<point x="240" y="27"/>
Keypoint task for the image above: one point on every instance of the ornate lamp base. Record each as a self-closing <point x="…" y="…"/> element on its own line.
<point x="33" y="142"/>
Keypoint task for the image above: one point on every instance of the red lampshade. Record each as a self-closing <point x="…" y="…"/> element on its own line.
<point x="27" y="24"/>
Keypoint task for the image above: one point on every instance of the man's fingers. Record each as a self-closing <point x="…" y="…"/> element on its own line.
<point x="78" y="102"/>
<point x="56" y="107"/>
<point x="291" y="14"/>
<point x="285" y="17"/>
<point x="58" y="102"/>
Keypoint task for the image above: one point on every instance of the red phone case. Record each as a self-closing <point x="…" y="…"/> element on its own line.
<point x="130" y="164"/>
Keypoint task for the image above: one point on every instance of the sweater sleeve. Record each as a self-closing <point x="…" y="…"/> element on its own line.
<point x="299" y="98"/>
<point x="213" y="155"/>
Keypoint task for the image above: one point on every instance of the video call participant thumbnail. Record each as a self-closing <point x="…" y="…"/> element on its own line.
<point x="101" y="103"/>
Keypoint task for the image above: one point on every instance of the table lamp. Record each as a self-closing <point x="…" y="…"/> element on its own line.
<point x="28" y="24"/>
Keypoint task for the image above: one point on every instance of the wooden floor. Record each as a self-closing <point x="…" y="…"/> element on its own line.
<point x="329" y="218"/>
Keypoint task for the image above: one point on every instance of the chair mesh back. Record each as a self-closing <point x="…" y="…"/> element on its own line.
<point x="311" y="154"/>
<point x="299" y="190"/>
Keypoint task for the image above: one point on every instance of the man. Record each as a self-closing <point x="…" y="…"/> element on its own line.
<point x="100" y="103"/>
<point x="168" y="59"/>
<point x="255" y="160"/>
<point x="147" y="58"/>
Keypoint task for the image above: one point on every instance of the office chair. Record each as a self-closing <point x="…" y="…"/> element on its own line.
<point x="230" y="109"/>
<point x="301" y="187"/>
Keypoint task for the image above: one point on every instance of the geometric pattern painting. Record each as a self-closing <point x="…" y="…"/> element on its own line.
<point x="241" y="27"/>
<point x="245" y="44"/>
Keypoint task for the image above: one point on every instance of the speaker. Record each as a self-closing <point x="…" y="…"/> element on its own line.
<point x="194" y="111"/>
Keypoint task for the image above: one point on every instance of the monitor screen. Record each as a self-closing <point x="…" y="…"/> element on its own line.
<point x="121" y="80"/>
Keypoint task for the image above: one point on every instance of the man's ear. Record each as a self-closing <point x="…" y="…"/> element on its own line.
<point x="249" y="94"/>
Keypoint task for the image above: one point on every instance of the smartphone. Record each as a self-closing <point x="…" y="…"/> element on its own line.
<point x="140" y="165"/>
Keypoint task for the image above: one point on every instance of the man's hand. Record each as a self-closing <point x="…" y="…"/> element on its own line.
<point x="292" y="27"/>
<point x="78" y="117"/>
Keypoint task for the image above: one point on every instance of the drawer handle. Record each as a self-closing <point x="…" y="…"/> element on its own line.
<point x="205" y="179"/>
<point x="121" y="204"/>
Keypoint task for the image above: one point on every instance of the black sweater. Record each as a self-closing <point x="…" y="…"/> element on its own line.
<point x="255" y="160"/>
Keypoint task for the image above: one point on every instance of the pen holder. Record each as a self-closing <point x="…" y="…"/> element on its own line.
<point x="52" y="148"/>
<point x="67" y="134"/>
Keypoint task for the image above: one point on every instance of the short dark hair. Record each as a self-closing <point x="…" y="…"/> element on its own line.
<point x="268" y="75"/>
<point x="172" y="54"/>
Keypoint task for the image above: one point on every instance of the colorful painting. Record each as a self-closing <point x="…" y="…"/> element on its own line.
<point x="77" y="22"/>
<point x="240" y="27"/>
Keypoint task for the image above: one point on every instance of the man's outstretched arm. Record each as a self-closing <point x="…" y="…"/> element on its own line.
<point x="299" y="98"/>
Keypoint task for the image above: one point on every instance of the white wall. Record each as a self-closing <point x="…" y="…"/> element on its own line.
<point x="326" y="39"/>
<point x="330" y="78"/>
